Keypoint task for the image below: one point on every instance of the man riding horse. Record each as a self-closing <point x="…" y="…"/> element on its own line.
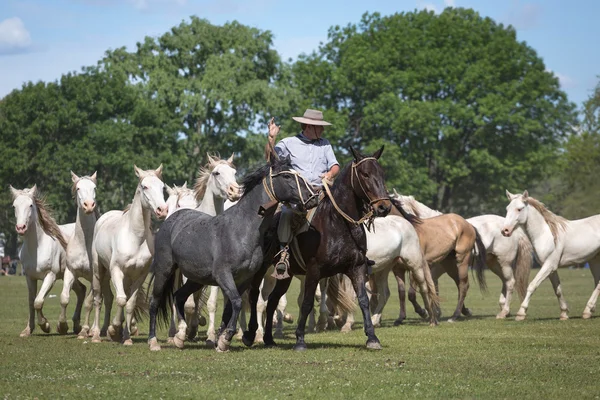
<point x="313" y="157"/>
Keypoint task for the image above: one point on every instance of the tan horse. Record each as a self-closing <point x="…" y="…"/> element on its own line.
<point x="450" y="240"/>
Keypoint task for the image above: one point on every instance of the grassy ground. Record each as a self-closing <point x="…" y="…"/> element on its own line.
<point x="480" y="357"/>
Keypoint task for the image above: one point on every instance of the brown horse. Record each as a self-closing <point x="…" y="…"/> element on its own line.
<point x="455" y="244"/>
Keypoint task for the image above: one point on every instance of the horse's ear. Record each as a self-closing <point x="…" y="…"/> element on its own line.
<point x="377" y="154"/>
<point x="356" y="154"/>
<point x="170" y="190"/>
<point x="158" y="171"/>
<point x="525" y="195"/>
<point x="93" y="177"/>
<point x="230" y="159"/>
<point x="33" y="190"/>
<point x="184" y="186"/>
<point x="509" y="195"/>
<point x="74" y="177"/>
<point x="138" y="171"/>
<point x="396" y="193"/>
<point x="13" y="191"/>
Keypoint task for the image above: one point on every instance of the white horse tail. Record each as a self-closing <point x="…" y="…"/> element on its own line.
<point x="478" y="257"/>
<point x="522" y="265"/>
<point x="341" y="296"/>
<point x="141" y="304"/>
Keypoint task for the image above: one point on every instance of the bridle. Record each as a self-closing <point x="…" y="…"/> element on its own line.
<point x="369" y="216"/>
<point x="270" y="189"/>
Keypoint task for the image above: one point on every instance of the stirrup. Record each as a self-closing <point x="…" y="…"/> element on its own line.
<point x="282" y="266"/>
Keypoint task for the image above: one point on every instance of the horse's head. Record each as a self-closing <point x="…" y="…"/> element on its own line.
<point x="25" y="208"/>
<point x="222" y="180"/>
<point x="84" y="189"/>
<point x="180" y="197"/>
<point x="368" y="182"/>
<point x="289" y="186"/>
<point x="516" y="212"/>
<point x="151" y="188"/>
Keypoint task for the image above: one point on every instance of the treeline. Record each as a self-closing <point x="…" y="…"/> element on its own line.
<point x="464" y="109"/>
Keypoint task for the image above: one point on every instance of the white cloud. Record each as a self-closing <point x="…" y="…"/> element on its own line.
<point x="524" y="16"/>
<point x="566" y="82"/>
<point x="427" y="6"/>
<point x="14" y="38"/>
<point x="144" y="4"/>
<point x="449" y="3"/>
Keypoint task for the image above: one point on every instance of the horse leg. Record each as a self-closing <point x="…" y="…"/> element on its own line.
<point x="400" y="275"/>
<point x="191" y="316"/>
<point x="181" y="296"/>
<point x="282" y="306"/>
<point x="383" y="294"/>
<point x="88" y="305"/>
<point x="164" y="279"/>
<point x="32" y="289"/>
<point x="117" y="277"/>
<point x="590" y="307"/>
<point x="211" y="305"/>
<point x="323" y="311"/>
<point x="547" y="268"/>
<point x="310" y="288"/>
<point x="357" y="276"/>
<point x="38" y="304"/>
<point x="254" y="297"/>
<point x="131" y="306"/>
<point x="98" y="283"/>
<point x="311" y="318"/>
<point x="108" y="302"/>
<point x="79" y="289"/>
<point x="564" y="308"/>
<point x="229" y="288"/>
<point x="68" y="279"/>
<point x="508" y="286"/>
<point x="243" y="325"/>
<point x="459" y="272"/>
<point x="281" y="286"/>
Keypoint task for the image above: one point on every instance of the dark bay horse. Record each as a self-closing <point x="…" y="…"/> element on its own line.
<point x="226" y="250"/>
<point x="334" y="243"/>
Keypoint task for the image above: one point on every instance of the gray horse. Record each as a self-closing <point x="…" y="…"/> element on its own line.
<point x="226" y="250"/>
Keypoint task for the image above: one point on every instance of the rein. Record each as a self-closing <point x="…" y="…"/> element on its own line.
<point x="270" y="189"/>
<point x="368" y="216"/>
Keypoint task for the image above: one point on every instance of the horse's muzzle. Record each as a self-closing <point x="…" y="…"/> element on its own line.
<point x="382" y="208"/>
<point x="21" y="229"/>
<point x="506" y="232"/>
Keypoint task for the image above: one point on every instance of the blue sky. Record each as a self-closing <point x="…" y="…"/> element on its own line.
<point x="43" y="39"/>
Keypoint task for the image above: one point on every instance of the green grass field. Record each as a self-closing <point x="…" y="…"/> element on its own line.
<point x="479" y="357"/>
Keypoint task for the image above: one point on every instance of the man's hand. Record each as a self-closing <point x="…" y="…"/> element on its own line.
<point x="327" y="178"/>
<point x="273" y="129"/>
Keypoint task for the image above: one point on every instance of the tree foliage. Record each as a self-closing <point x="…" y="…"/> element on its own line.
<point x="466" y="109"/>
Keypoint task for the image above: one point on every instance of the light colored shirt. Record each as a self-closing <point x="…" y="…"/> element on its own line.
<point x="312" y="158"/>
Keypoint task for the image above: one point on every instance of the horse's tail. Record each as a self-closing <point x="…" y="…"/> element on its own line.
<point x="141" y="304"/>
<point x="341" y="296"/>
<point x="479" y="255"/>
<point x="522" y="265"/>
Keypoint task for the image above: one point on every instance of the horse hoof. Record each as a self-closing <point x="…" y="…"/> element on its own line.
<point x="347" y="328"/>
<point x="170" y="340"/>
<point x="178" y="341"/>
<point x="399" y="322"/>
<point x="501" y="316"/>
<point x="300" y="347"/>
<point x="112" y="333"/>
<point x="520" y="317"/>
<point x="25" y="333"/>
<point x="223" y="344"/>
<point x="452" y="320"/>
<point x="288" y="318"/>
<point x="45" y="327"/>
<point x="467" y="313"/>
<point x="270" y="344"/>
<point x="96" y="339"/>
<point x="374" y="345"/>
<point x="62" y="328"/>
<point x="564" y="317"/>
<point x="153" y="344"/>
<point x="209" y="343"/>
<point x="134" y="331"/>
<point x="277" y="335"/>
<point x="202" y="321"/>
<point x="128" y="342"/>
<point x="586" y="315"/>
<point x="247" y="340"/>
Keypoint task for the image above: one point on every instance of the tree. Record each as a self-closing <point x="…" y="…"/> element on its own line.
<point x="463" y="107"/>
<point x="217" y="84"/>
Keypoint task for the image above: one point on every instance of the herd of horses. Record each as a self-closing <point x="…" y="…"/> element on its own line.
<point x="222" y="234"/>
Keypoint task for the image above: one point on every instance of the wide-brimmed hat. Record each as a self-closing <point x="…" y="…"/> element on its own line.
<point x="312" y="117"/>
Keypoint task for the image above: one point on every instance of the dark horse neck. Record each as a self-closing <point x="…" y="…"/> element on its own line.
<point x="344" y="196"/>
<point x="246" y="211"/>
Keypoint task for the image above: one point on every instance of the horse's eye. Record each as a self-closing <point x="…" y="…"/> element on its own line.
<point x="216" y="173"/>
<point x="145" y="187"/>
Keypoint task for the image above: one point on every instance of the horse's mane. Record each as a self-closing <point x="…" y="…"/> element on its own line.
<point x="254" y="178"/>
<point x="49" y="225"/>
<point x="74" y="191"/>
<point x="413" y="218"/>
<point x="555" y="222"/>
<point x="414" y="206"/>
<point x="204" y="173"/>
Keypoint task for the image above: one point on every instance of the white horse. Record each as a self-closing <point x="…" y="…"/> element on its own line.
<point x="42" y="253"/>
<point x="558" y="242"/>
<point x="510" y="258"/>
<point x="123" y="245"/>
<point x="79" y="249"/>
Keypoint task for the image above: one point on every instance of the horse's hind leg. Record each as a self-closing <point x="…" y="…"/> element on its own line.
<point x="382" y="296"/>
<point x="505" y="272"/>
<point x="254" y="292"/>
<point x="564" y="308"/>
<point x="227" y="284"/>
<point x="459" y="272"/>
<point x="357" y="276"/>
<point x="88" y="304"/>
<point x="117" y="277"/>
<point x="281" y="287"/>
<point x="79" y="289"/>
<point x="211" y="306"/>
<point x="591" y="304"/>
<point x="130" y="307"/>
<point x="181" y="296"/>
<point x="39" y="301"/>
<point x="32" y="289"/>
<point x="310" y="288"/>
<point x="400" y="275"/>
